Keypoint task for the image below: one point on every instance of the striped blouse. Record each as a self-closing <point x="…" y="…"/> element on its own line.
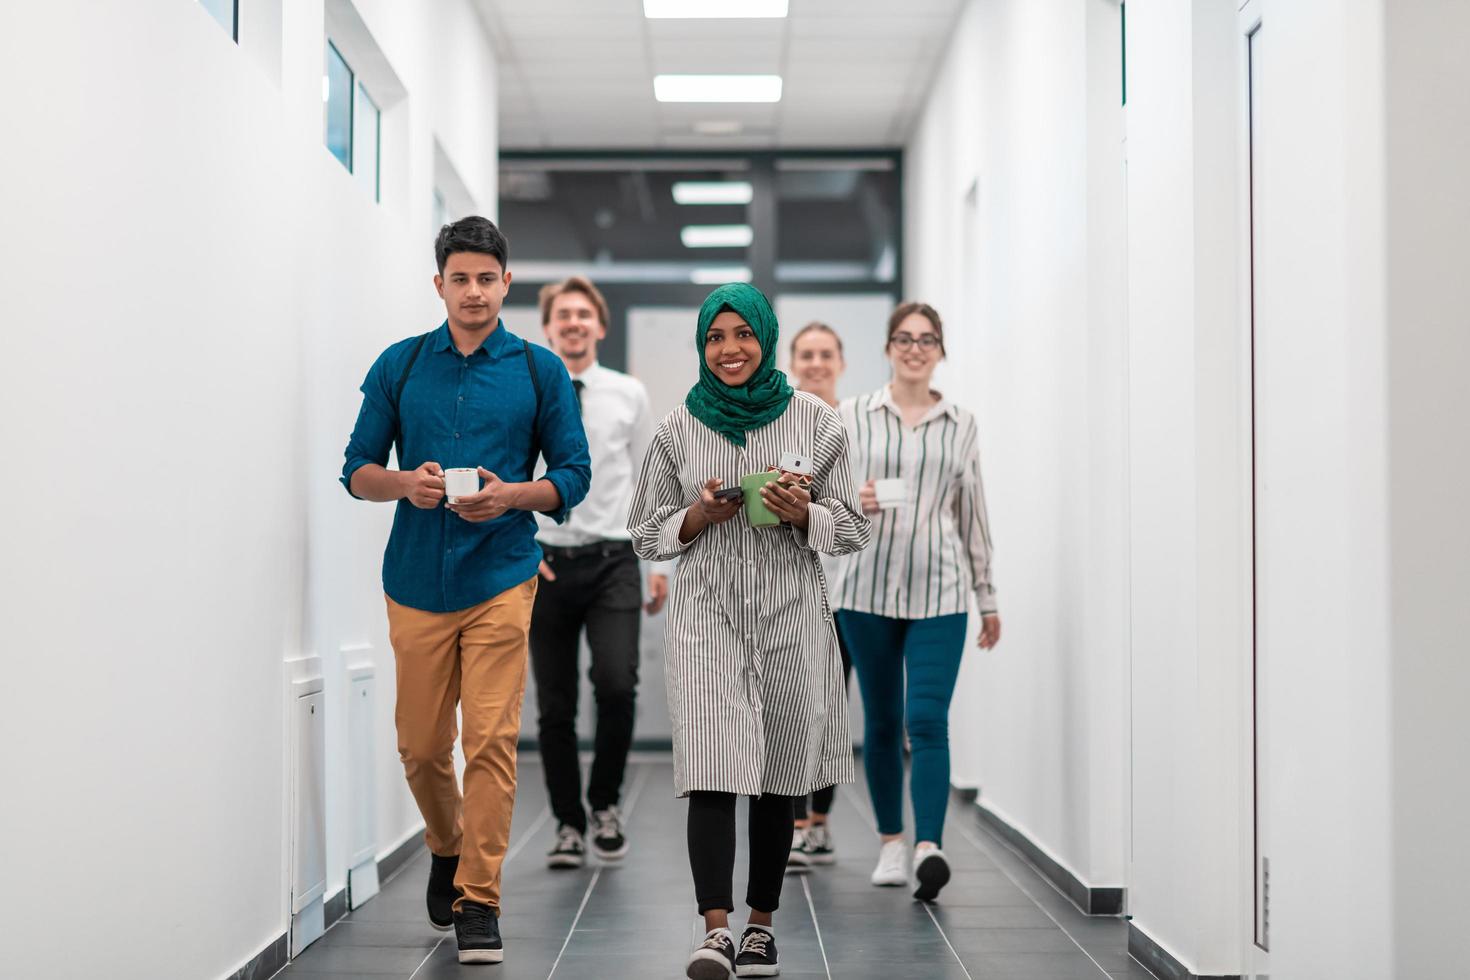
<point x="753" y="672"/>
<point x="929" y="554"/>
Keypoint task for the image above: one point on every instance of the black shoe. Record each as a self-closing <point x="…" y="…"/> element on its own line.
<point x="757" y="956"/>
<point x="798" y="859"/>
<point x="931" y="872"/>
<point x="608" y="842"/>
<point x="569" y="851"/>
<point x="477" y="928"/>
<point x="442" y="894"/>
<point x="713" y="959"/>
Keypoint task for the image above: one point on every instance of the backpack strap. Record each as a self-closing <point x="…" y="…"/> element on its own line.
<point x="535" y="419"/>
<point x="398" y="397"/>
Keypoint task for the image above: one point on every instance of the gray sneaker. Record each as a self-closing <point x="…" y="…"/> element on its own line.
<point x="569" y="851"/>
<point x="819" y="844"/>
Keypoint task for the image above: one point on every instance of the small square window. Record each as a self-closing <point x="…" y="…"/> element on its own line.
<point x="337" y="99"/>
<point x="227" y="12"/>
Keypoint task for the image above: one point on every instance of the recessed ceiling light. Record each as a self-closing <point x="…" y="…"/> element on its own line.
<point x="714" y="8"/>
<point x="716" y="275"/>
<point x="717" y="88"/>
<point x="716" y="236"/>
<point x="713" y="192"/>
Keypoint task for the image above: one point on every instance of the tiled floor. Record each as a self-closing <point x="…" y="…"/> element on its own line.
<point x="996" y="920"/>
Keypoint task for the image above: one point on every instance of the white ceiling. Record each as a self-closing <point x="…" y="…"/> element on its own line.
<point x="579" y="73"/>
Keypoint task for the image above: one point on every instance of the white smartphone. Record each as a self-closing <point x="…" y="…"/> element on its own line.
<point x="796" y="463"/>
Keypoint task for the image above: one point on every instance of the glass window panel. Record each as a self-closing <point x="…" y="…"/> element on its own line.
<point x="337" y="106"/>
<point x="223" y="11"/>
<point x="441" y="211"/>
<point x="836" y="223"/>
<point x="367" y="128"/>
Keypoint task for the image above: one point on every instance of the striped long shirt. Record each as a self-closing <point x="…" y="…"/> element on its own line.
<point x="752" y="666"/>
<point x="931" y="553"/>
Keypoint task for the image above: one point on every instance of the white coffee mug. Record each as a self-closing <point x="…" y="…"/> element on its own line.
<point x="892" y="492"/>
<point x="461" y="482"/>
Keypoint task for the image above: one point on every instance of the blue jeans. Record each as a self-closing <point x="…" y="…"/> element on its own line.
<point x="929" y="650"/>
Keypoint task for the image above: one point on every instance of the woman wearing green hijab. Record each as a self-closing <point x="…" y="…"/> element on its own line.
<point x="753" y="672"/>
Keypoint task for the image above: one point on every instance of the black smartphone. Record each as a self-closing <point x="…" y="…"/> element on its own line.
<point x="730" y="493"/>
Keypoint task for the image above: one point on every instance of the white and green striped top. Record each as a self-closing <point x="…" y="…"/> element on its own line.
<point x="928" y="555"/>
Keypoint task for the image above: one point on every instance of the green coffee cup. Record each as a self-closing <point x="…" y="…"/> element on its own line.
<point x="756" y="511"/>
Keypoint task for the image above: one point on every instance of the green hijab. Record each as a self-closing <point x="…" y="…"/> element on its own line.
<point x="734" y="411"/>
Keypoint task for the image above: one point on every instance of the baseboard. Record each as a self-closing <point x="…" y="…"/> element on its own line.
<point x="1161" y="962"/>
<point x="267" y="962"/>
<point x="1091" y="900"/>
<point x="335" y="907"/>
<point x="406" y="851"/>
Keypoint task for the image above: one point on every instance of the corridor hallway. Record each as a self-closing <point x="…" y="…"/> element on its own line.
<point x="998" y="919"/>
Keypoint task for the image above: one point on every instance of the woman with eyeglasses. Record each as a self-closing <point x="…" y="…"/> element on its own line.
<point x="754" y="685"/>
<point x="903" y="603"/>
<point x="817" y="363"/>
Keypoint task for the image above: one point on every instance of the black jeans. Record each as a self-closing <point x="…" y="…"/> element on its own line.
<point x="822" y="798"/>
<point x="599" y="588"/>
<point x="712" y="849"/>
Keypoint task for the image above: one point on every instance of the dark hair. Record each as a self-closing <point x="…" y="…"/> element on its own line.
<point x="906" y="310"/>
<point x="571" y="284"/>
<point x="472" y="234"/>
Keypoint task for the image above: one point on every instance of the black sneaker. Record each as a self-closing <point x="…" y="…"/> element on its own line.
<point x="442" y="894"/>
<point x="713" y="959"/>
<point x="931" y="871"/>
<point x="477" y="928"/>
<point x="569" y="851"/>
<point x="757" y="956"/>
<point x="608" y="842"/>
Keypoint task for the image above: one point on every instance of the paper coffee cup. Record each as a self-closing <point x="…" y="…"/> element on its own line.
<point x="461" y="482"/>
<point x="891" y="493"/>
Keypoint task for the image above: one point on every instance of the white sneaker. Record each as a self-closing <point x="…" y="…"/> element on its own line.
<point x="893" y="864"/>
<point x="931" y="872"/>
<point x="797" y="860"/>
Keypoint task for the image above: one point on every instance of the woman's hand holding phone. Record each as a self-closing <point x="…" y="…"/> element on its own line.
<point x="707" y="510"/>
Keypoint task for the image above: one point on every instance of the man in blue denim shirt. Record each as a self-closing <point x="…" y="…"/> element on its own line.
<point x="460" y="576"/>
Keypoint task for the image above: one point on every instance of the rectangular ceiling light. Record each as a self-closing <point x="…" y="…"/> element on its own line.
<point x="714" y="8"/>
<point x="717" y="88"/>
<point x="718" y="275"/>
<point x="716" y="236"/>
<point x="713" y="192"/>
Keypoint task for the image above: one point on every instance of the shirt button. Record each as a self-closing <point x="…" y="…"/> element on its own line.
<point x="456" y="435"/>
<point x="461" y="397"/>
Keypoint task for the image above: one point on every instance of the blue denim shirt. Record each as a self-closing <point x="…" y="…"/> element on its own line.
<point x="468" y="411"/>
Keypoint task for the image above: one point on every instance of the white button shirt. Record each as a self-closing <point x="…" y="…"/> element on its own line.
<point x="619" y="426"/>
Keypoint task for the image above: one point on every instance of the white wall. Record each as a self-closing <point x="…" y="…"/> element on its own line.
<point x="1117" y="448"/>
<point x="1014" y="200"/>
<point x="192" y="290"/>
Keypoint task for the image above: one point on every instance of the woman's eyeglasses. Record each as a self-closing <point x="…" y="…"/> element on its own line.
<point x="904" y="341"/>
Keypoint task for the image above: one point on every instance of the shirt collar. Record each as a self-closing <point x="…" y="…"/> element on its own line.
<point x="589" y="376"/>
<point x="493" y="345"/>
<point x="942" y="407"/>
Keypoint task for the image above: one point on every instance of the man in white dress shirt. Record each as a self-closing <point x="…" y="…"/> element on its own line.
<point x="590" y="580"/>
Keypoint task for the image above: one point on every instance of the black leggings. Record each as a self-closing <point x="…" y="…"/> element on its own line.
<point x="712" y="849"/>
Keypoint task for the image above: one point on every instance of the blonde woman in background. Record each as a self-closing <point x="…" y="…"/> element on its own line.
<point x="817" y="364"/>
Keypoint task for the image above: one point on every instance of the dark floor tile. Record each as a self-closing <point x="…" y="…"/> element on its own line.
<point x="407" y="935"/>
<point x="360" y="960"/>
<point x="1003" y="940"/>
<point x="1034" y="966"/>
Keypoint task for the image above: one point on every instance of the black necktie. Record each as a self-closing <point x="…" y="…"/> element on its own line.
<point x="578" y="384"/>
